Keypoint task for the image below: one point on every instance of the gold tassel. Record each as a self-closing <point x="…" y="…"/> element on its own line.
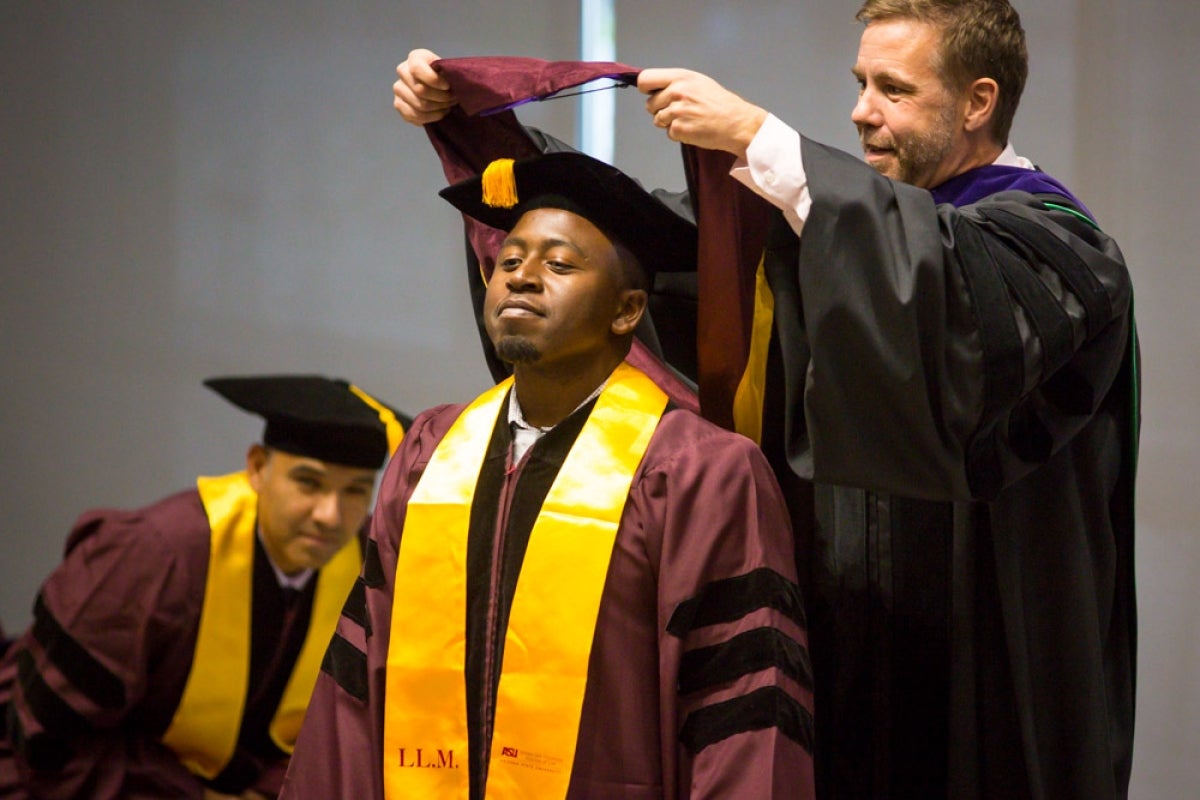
<point x="499" y="184"/>
<point x="391" y="425"/>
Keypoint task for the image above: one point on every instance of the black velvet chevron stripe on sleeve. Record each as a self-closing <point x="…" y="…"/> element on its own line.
<point x="77" y="665"/>
<point x="355" y="607"/>
<point x="1070" y="264"/>
<point x="745" y="654"/>
<point x="769" y="707"/>
<point x="9" y="779"/>
<point x="733" y="598"/>
<point x="1045" y="314"/>
<point x="347" y="665"/>
<point x="49" y="751"/>
<point x="372" y="569"/>
<point x="1000" y="339"/>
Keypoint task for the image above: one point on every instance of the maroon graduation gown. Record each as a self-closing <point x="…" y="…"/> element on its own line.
<point x="103" y="667"/>
<point x="698" y="683"/>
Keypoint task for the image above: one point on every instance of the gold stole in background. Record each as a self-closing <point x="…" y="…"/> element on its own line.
<point x="204" y="730"/>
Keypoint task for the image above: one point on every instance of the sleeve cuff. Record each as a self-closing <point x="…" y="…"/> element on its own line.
<point x="773" y="169"/>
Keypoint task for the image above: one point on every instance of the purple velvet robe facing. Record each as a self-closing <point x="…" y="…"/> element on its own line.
<point x="698" y="682"/>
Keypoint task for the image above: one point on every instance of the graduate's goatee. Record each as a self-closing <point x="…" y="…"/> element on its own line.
<point x="516" y="350"/>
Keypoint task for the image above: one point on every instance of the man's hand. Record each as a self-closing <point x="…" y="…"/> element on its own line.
<point x="422" y="95"/>
<point x="694" y="109"/>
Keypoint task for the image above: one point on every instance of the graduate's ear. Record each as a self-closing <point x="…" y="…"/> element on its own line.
<point x="981" y="96"/>
<point x="256" y="464"/>
<point x="630" y="309"/>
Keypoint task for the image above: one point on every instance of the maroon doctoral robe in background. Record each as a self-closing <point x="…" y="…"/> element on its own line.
<point x="698" y="683"/>
<point x="103" y="667"/>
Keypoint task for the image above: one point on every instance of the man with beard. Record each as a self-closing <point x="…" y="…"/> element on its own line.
<point x="951" y="404"/>
<point x="173" y="650"/>
<point x="573" y="587"/>
<point x="958" y="373"/>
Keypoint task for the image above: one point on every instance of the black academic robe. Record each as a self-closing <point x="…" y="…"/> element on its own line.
<point x="958" y="394"/>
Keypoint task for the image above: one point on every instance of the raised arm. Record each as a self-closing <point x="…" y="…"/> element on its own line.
<point x="694" y="109"/>
<point x="421" y="94"/>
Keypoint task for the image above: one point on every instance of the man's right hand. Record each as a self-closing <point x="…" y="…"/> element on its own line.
<point x="422" y="95"/>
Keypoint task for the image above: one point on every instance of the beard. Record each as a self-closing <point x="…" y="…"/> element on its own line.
<point x="917" y="155"/>
<point x="517" y="350"/>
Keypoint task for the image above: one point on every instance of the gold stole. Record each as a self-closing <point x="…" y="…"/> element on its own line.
<point x="204" y="730"/>
<point x="553" y="616"/>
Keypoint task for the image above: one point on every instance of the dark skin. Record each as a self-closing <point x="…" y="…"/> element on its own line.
<point x="308" y="509"/>
<point x="561" y="308"/>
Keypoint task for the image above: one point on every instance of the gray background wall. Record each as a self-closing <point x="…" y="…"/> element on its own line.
<point x="192" y="189"/>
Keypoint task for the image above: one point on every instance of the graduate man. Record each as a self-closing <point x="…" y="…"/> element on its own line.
<point x="573" y="587"/>
<point x="952" y="407"/>
<point x="174" y="648"/>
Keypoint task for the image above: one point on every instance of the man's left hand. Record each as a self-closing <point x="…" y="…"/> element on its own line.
<point x="694" y="109"/>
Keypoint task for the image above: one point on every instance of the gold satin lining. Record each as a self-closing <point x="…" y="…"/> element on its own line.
<point x="552" y="621"/>
<point x="748" y="399"/>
